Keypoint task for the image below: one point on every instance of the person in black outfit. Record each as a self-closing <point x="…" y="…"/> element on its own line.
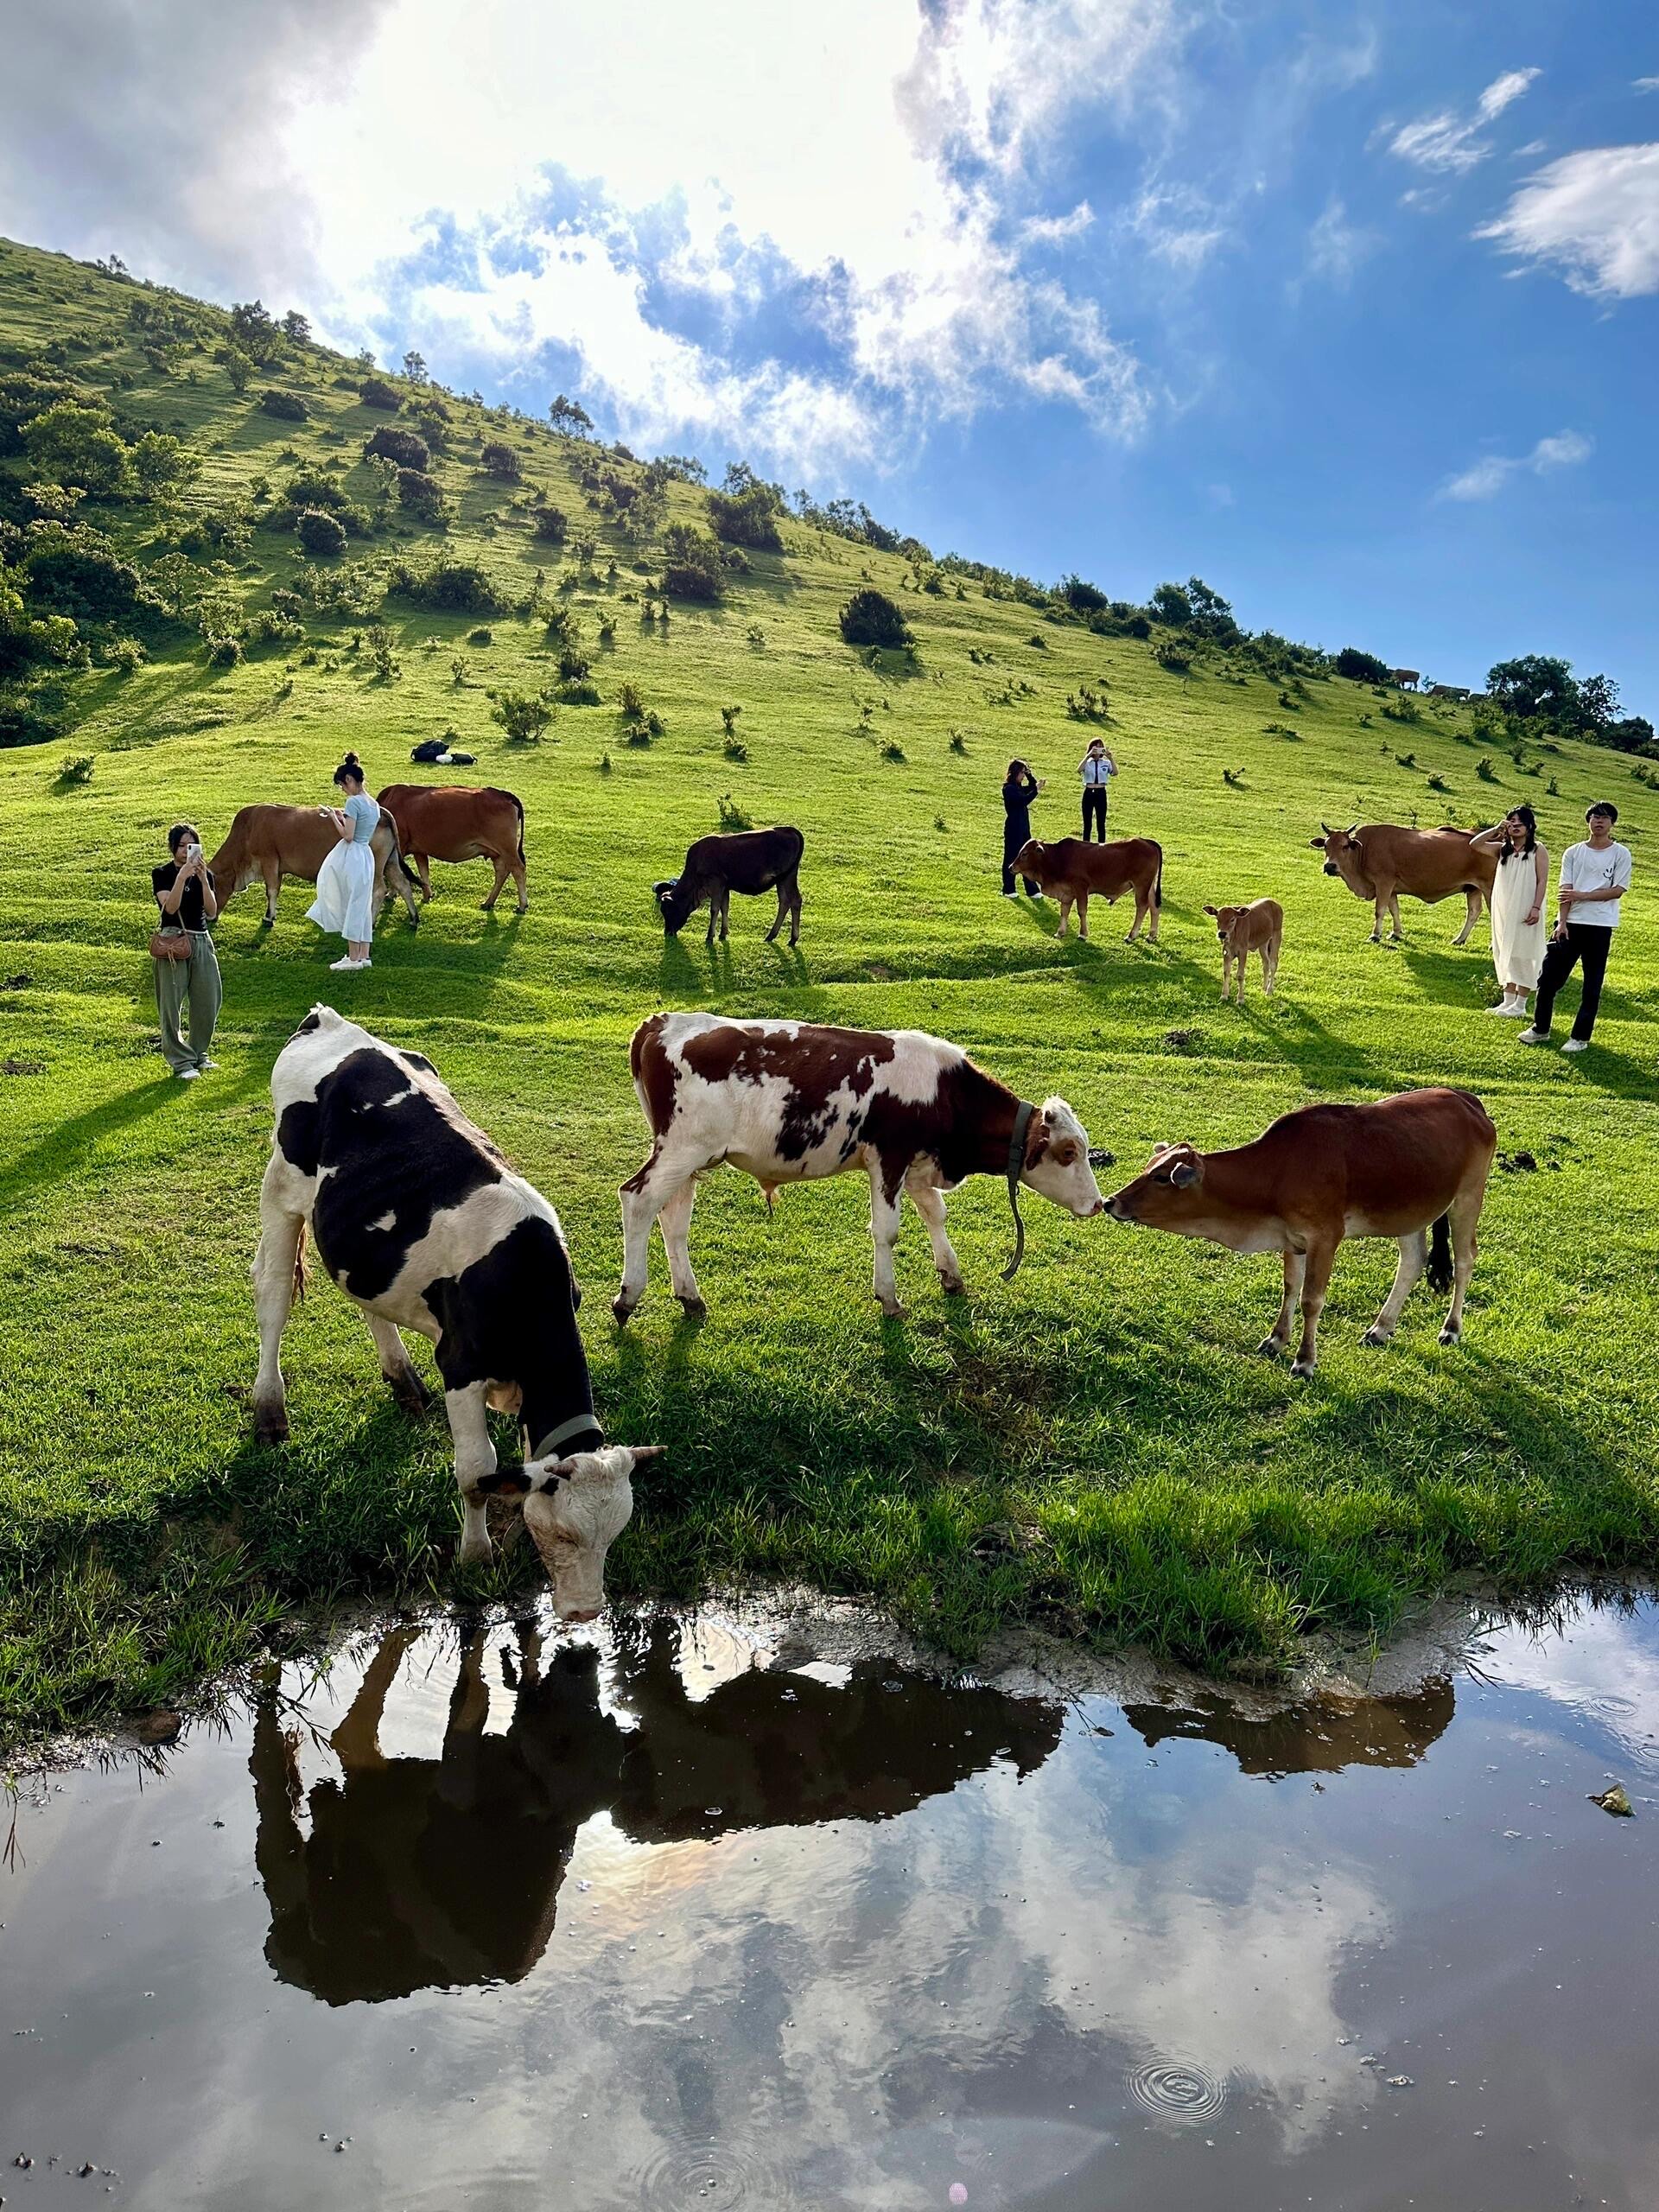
<point x="1019" y="790"/>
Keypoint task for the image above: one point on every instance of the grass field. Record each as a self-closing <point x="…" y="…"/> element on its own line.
<point x="1093" y="1445"/>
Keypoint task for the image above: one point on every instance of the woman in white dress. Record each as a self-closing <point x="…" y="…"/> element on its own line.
<point x="345" y="899"/>
<point x="1519" y="896"/>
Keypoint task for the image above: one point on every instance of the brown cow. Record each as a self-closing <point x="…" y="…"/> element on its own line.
<point x="1071" y="871"/>
<point x="1324" y="1173"/>
<point x="265" y="843"/>
<point x="1379" y="860"/>
<point x="455" y="821"/>
<point x="1259" y="927"/>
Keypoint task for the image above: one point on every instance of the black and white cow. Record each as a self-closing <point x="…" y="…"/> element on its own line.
<point x="791" y="1101"/>
<point x="420" y="1221"/>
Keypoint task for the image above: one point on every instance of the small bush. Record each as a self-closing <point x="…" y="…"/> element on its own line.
<point x="1179" y="663"/>
<point x="501" y="463"/>
<point x="402" y="447"/>
<point x="288" y="405"/>
<point x="223" y="652"/>
<point x="574" y="664"/>
<point x="755" y="637"/>
<point x="750" y="519"/>
<point x="448" y="588"/>
<point x="525" y="715"/>
<point x="958" y="741"/>
<point x="420" y="494"/>
<point x="550" y="524"/>
<point x="892" y="750"/>
<point x="125" y="655"/>
<point x="729" y="720"/>
<point x="1039" y="640"/>
<point x="1484" y="769"/>
<point x="605" y="764"/>
<point x="383" y="654"/>
<point x="1439" y="783"/>
<point x="631" y="704"/>
<point x="735" y="749"/>
<point x="1234" y="778"/>
<point x="870" y="618"/>
<point x="583" y="692"/>
<point x="320" y="533"/>
<point x="375" y="392"/>
<point x="1361" y="668"/>
<point x="732" y="815"/>
<point x="77" y="769"/>
<point x="267" y="627"/>
<point x="1402" y="710"/>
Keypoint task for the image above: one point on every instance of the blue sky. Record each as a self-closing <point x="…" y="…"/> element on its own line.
<point x="1350" y="310"/>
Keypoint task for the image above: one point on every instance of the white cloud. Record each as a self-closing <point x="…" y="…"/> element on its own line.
<point x="1335" y="247"/>
<point x="1644" y="84"/>
<point x="1448" y="142"/>
<point x="1055" y="230"/>
<point x="1593" y="217"/>
<point x="1487" y="477"/>
<point x="1178" y="224"/>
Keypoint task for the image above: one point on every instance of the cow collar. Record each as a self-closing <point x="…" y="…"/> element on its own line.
<point x="1022" y="1114"/>
<point x="552" y="1444"/>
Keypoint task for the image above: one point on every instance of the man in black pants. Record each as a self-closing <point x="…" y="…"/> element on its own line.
<point x="1595" y="875"/>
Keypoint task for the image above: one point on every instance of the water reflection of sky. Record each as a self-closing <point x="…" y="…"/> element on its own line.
<point x="955" y="1945"/>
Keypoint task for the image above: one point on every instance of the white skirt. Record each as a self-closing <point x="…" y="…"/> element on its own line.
<point x="345" y="899"/>
<point x="1517" y="951"/>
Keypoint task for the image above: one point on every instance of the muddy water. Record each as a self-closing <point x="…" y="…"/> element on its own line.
<point x="679" y="1917"/>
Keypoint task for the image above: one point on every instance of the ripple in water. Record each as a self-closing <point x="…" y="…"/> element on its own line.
<point x="1177" y="2092"/>
<point x="707" y="2176"/>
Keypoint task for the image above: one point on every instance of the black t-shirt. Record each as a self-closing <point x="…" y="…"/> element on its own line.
<point x="189" y="915"/>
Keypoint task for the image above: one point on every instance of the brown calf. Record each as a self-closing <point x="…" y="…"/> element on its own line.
<point x="265" y="843"/>
<point x="455" y="821"/>
<point x="1259" y="927"/>
<point x="1073" y="873"/>
<point x="1379" y="860"/>
<point x="1324" y="1173"/>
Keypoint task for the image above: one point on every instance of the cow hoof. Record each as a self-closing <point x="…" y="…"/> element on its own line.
<point x="478" y="1554"/>
<point x="1375" y="1339"/>
<point x="694" y="1308"/>
<point x="271" y="1428"/>
<point x="1451" y="1336"/>
<point x="953" y="1285"/>
<point x="894" y="1310"/>
<point x="622" y="1308"/>
<point x="1270" y="1348"/>
<point x="1302" y="1367"/>
<point x="410" y="1393"/>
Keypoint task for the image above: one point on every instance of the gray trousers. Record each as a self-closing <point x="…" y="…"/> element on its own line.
<point x="194" y="983"/>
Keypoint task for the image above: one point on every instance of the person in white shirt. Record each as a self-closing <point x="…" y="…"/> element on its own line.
<point x="1097" y="767"/>
<point x="1595" y="877"/>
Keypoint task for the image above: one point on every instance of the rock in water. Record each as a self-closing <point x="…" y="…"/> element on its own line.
<point x="1616" y="1800"/>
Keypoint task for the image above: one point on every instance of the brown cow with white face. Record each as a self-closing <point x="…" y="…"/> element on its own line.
<point x="1259" y="928"/>
<point x="1324" y="1173"/>
<point x="265" y="843"/>
<point x="793" y="1102"/>
<point x="1379" y="860"/>
<point x="456" y="822"/>
<point x="1071" y="872"/>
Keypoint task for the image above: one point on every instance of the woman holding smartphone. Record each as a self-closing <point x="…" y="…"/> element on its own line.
<point x="185" y="893"/>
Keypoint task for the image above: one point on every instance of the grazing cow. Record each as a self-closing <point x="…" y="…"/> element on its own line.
<point x="749" y="860"/>
<point x="422" y="1223"/>
<point x="1324" y="1173"/>
<point x="1259" y="927"/>
<point x="454" y="821"/>
<point x="265" y="843"/>
<point x="1073" y="872"/>
<point x="1406" y="679"/>
<point x="404" y="1869"/>
<point x="1379" y="860"/>
<point x="791" y="1101"/>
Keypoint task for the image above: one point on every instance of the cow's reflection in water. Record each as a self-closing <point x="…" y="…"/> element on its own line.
<point x="414" y="1873"/>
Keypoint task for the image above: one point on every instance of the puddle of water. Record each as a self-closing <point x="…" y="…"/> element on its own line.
<point x="658" y="1920"/>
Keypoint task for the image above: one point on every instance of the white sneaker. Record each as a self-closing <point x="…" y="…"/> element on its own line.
<point x="204" y="1063"/>
<point x="1533" y="1037"/>
<point x="1576" y="1044"/>
<point x="348" y="966"/>
<point x="186" y="1075"/>
<point x="1505" y="1007"/>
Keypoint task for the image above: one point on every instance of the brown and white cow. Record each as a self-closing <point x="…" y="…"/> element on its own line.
<point x="1259" y="928"/>
<point x="265" y="843"/>
<point x="1072" y="872"/>
<point x="793" y="1102"/>
<point x="456" y="822"/>
<point x="1324" y="1173"/>
<point x="1379" y="860"/>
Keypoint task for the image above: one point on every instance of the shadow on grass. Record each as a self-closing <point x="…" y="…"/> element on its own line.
<point x="73" y="1144"/>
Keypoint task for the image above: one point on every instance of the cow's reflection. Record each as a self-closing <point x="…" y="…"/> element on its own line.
<point x="422" y="1872"/>
<point x="1321" y="1736"/>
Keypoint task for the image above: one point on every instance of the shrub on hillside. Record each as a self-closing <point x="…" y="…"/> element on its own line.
<point x="449" y="587"/>
<point x="158" y="460"/>
<point x="287" y="406"/>
<point x="501" y="463"/>
<point x="375" y="392"/>
<point x="1175" y="660"/>
<point x="22" y="396"/>
<point x="1361" y="668"/>
<point x="71" y="444"/>
<point x="320" y="533"/>
<point x="870" y="618"/>
<point x="749" y="518"/>
<point x="550" y="526"/>
<point x="78" y="573"/>
<point x="691" y="564"/>
<point x="525" y="715"/>
<point x="420" y="494"/>
<point x="402" y="447"/>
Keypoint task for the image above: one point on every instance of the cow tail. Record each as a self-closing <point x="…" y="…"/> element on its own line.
<point x="519" y="804"/>
<point x="1158" y="882"/>
<point x="1439" y="1255"/>
<point x="299" y="1263"/>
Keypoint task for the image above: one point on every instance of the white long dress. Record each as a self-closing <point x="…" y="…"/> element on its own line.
<point x="345" y="899"/>
<point x="1518" y="949"/>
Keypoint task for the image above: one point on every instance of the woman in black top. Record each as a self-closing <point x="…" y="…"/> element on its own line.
<point x="185" y="893"/>
<point x="1018" y="791"/>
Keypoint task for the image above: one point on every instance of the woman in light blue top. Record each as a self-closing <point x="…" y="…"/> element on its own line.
<point x="345" y="899"/>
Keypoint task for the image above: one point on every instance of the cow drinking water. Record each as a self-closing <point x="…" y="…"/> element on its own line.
<point x="749" y="861"/>
<point x="791" y="1101"/>
<point x="1379" y="860"/>
<point x="420" y="1221"/>
<point x="1324" y="1173"/>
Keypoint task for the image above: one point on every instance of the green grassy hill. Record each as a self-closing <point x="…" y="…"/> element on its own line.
<point x="1093" y="1445"/>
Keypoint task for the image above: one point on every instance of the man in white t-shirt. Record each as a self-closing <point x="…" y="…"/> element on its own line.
<point x="1594" y="878"/>
<point x="1097" y="767"/>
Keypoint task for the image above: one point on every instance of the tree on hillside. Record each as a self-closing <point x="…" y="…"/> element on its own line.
<point x="690" y="565"/>
<point x="683" y="467"/>
<point x="1536" y="687"/>
<point x="296" y="328"/>
<point x="1212" y="617"/>
<point x="1597" y="702"/>
<point x="1360" y="667"/>
<point x="870" y="618"/>
<point x="747" y="516"/>
<point x="570" y="417"/>
<point x="68" y="444"/>
<point x="159" y="461"/>
<point x="400" y="446"/>
<point x="173" y="578"/>
<point x="1083" y="598"/>
<point x="415" y="368"/>
<point x="254" y="328"/>
<point x="1170" y="605"/>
